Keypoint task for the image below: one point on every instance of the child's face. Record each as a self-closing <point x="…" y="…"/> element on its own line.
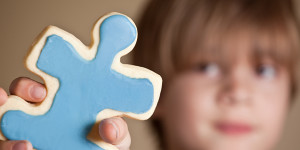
<point x="241" y="107"/>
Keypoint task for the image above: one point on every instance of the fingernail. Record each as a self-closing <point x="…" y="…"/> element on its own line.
<point x="38" y="92"/>
<point x="116" y="130"/>
<point x="20" y="146"/>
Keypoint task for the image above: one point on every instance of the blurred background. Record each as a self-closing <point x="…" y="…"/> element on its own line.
<point x="21" y="21"/>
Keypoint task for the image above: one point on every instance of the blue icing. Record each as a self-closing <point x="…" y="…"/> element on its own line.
<point x="86" y="88"/>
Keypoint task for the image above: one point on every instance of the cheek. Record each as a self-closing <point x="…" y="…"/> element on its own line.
<point x="195" y="106"/>
<point x="192" y="109"/>
<point x="271" y="104"/>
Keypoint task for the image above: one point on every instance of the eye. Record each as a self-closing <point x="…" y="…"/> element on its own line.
<point x="266" y="71"/>
<point x="209" y="69"/>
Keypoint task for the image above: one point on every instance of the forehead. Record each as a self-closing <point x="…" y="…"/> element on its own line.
<point x="246" y="41"/>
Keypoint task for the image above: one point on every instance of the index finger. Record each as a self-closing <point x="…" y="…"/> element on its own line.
<point x="28" y="89"/>
<point x="3" y="96"/>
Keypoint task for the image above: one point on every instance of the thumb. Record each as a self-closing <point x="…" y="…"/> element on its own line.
<point x="115" y="131"/>
<point x="15" y="145"/>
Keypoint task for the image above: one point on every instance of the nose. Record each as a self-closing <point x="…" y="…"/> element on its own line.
<point x="236" y="89"/>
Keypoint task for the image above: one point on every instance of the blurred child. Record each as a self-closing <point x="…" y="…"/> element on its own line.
<point x="229" y="71"/>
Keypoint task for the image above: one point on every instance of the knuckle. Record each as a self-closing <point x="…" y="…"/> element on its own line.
<point x="15" y="84"/>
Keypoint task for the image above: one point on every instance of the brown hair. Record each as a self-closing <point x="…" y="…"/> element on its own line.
<point x="174" y="32"/>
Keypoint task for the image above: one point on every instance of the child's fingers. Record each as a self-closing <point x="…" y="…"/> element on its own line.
<point x="15" y="145"/>
<point x="125" y="143"/>
<point x="112" y="130"/>
<point x="115" y="131"/>
<point x="3" y="96"/>
<point x="12" y="145"/>
<point x="28" y="89"/>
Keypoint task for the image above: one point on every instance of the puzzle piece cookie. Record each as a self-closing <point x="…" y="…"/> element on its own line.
<point x="84" y="86"/>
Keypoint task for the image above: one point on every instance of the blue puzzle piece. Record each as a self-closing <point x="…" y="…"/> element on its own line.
<point x="86" y="88"/>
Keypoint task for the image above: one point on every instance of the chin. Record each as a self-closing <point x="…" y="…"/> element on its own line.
<point x="240" y="143"/>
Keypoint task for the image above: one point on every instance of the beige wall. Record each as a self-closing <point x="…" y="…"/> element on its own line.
<point x="22" y="20"/>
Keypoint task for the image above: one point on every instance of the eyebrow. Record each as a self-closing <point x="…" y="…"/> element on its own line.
<point x="279" y="56"/>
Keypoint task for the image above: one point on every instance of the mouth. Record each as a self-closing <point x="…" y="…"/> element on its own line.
<point x="233" y="128"/>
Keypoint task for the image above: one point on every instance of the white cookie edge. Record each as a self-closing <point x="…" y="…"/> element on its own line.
<point x="88" y="53"/>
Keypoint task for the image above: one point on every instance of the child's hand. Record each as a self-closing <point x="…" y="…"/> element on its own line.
<point x="112" y="130"/>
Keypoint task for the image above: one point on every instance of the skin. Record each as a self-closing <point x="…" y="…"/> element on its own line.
<point x="196" y="101"/>
<point x="112" y="130"/>
<point x="200" y="102"/>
